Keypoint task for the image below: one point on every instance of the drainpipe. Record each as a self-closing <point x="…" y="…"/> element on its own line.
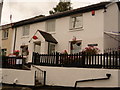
<point x="15" y="39"/>
<point x="108" y="77"/>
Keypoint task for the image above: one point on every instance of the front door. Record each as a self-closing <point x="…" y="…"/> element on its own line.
<point x="37" y="47"/>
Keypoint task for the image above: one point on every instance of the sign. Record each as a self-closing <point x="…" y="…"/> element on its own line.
<point x="92" y="44"/>
<point x="18" y="61"/>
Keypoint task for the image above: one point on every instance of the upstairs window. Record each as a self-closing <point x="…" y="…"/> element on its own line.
<point x="5" y="34"/>
<point x="50" y="26"/>
<point x="76" y="22"/>
<point x="26" y="30"/>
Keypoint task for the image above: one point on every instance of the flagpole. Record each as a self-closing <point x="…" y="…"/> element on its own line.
<point x="1" y="5"/>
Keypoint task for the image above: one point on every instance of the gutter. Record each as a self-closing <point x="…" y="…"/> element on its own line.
<point x="108" y="77"/>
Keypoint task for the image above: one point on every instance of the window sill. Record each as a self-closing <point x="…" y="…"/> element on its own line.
<point x="4" y="38"/>
<point x="76" y="29"/>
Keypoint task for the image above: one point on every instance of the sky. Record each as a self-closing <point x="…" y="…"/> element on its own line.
<point x="24" y="9"/>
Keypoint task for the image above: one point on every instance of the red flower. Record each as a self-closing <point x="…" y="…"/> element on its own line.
<point x="16" y="52"/>
<point x="91" y="50"/>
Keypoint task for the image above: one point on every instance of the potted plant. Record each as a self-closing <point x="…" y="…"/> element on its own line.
<point x="16" y="52"/>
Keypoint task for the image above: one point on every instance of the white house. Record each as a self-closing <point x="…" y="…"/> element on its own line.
<point x="96" y="25"/>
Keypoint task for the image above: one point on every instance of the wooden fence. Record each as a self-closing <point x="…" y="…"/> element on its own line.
<point x="107" y="60"/>
<point x="12" y="62"/>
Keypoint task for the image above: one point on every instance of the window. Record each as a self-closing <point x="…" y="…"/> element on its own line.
<point x="24" y="49"/>
<point x="4" y="52"/>
<point x="51" y="48"/>
<point x="5" y="34"/>
<point x="50" y="26"/>
<point x="26" y="29"/>
<point x="76" y="22"/>
<point x="75" y="47"/>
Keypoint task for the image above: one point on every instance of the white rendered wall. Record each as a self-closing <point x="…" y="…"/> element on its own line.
<point x="20" y="40"/>
<point x="24" y="77"/>
<point x="61" y="76"/>
<point x="92" y="32"/>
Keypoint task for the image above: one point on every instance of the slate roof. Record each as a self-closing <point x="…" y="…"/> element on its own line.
<point x="48" y="37"/>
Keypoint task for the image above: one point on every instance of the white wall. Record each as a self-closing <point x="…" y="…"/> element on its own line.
<point x="59" y="76"/>
<point x="25" y="40"/>
<point x="24" y="77"/>
<point x="92" y="32"/>
<point x="111" y="24"/>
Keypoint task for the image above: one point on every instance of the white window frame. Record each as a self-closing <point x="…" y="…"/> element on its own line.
<point x="5" y="34"/>
<point x="50" y="25"/>
<point x="76" y="22"/>
<point x="25" y="30"/>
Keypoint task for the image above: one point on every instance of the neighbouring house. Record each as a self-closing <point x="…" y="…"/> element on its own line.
<point x="6" y="33"/>
<point x="93" y="25"/>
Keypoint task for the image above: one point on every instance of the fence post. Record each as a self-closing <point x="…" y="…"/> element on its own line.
<point x="83" y="58"/>
<point x="116" y="59"/>
<point x="33" y="58"/>
<point x="44" y="78"/>
<point x="57" y="57"/>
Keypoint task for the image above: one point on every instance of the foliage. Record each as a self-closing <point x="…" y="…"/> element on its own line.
<point x="16" y="52"/>
<point x="62" y="6"/>
<point x="91" y="50"/>
<point x="65" y="52"/>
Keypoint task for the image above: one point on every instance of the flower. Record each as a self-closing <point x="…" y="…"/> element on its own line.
<point x="65" y="52"/>
<point x="91" y="50"/>
<point x="16" y="52"/>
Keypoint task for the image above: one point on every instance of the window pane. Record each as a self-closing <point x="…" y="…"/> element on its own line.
<point x="76" y="22"/>
<point x="50" y="26"/>
<point x="24" y="49"/>
<point x="75" y="47"/>
<point x="51" y="48"/>
<point x="26" y="29"/>
<point x="5" y="34"/>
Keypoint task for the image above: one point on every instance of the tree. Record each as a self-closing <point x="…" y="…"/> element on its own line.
<point x="62" y="6"/>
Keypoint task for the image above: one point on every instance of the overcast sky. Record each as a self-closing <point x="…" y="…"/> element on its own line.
<point x="23" y="9"/>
